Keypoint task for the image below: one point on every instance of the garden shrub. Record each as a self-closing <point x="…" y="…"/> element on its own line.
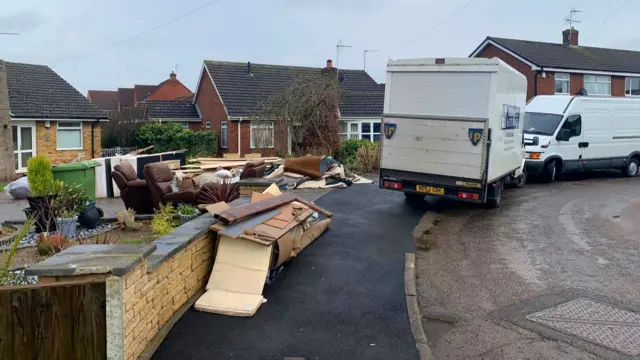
<point x="40" y="177"/>
<point x="172" y="136"/>
<point x="162" y="222"/>
<point x="348" y="149"/>
<point x="368" y="157"/>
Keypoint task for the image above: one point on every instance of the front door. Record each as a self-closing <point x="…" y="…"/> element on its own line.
<point x="23" y="144"/>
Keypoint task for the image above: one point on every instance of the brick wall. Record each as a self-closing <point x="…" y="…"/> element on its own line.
<point x="576" y="83"/>
<point x="546" y="84"/>
<point x="169" y="90"/>
<point x="46" y="143"/>
<point x="491" y="51"/>
<point x="6" y="142"/>
<point x="151" y="298"/>
<point x="617" y="86"/>
<point x="212" y="109"/>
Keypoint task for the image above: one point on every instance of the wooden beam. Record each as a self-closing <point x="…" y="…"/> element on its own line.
<point x="242" y="212"/>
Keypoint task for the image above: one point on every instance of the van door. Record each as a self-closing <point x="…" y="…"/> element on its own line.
<point x="571" y="149"/>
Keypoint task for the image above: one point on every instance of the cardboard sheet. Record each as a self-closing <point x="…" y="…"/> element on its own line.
<point x="237" y="280"/>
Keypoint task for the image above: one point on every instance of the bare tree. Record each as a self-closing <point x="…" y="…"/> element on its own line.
<point x="306" y="112"/>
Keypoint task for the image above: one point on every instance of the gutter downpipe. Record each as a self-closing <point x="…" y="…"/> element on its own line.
<point x="239" y="137"/>
<point x="93" y="139"/>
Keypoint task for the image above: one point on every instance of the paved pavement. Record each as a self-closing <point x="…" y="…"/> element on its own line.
<point x="546" y="245"/>
<point x="341" y="298"/>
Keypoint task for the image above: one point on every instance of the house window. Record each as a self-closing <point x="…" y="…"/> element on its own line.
<point x="184" y="125"/>
<point x="562" y="83"/>
<point x="223" y="134"/>
<point x="69" y="136"/>
<point x="207" y="125"/>
<point x="632" y="87"/>
<point x="360" y="130"/>
<point x="262" y="135"/>
<point x="597" y="84"/>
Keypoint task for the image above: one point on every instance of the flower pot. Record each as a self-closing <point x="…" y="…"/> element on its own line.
<point x="90" y="216"/>
<point x="67" y="226"/>
<point x="40" y="209"/>
<point x="186" y="218"/>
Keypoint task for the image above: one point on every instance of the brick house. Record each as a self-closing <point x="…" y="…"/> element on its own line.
<point x="567" y="68"/>
<point x="47" y="116"/>
<point x="183" y="112"/>
<point x="229" y="96"/>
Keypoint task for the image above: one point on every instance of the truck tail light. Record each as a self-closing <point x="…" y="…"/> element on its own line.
<point x="466" y="195"/>
<point x="392" y="185"/>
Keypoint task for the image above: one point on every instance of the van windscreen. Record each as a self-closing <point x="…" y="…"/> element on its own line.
<point x="541" y="123"/>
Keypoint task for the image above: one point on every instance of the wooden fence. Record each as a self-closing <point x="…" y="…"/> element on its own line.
<point x="53" y="321"/>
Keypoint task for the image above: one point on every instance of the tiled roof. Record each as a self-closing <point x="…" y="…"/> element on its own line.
<point x="171" y="109"/>
<point x="104" y="99"/>
<point x="142" y="91"/>
<point x="244" y="93"/>
<point x="125" y="97"/>
<point x="36" y="91"/>
<point x="562" y="56"/>
<point x="360" y="104"/>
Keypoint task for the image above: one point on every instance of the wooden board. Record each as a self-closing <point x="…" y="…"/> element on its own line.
<point x="173" y="164"/>
<point x="242" y="212"/>
<point x="271" y="159"/>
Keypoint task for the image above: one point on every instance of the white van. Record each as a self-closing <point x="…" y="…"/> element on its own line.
<point x="453" y="128"/>
<point x="577" y="133"/>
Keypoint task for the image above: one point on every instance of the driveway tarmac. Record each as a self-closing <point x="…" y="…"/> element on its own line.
<point x="548" y="244"/>
<point x="341" y="298"/>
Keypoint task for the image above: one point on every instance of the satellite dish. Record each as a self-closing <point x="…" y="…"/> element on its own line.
<point x="583" y="92"/>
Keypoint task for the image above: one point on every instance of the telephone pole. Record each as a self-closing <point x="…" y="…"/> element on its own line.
<point x="364" y="59"/>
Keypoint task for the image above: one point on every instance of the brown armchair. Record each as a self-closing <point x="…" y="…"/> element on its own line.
<point x="159" y="178"/>
<point x="133" y="191"/>
<point x="253" y="169"/>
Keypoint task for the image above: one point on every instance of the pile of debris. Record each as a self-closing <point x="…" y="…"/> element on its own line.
<point x="254" y="241"/>
<point x="201" y="165"/>
<point x="316" y="172"/>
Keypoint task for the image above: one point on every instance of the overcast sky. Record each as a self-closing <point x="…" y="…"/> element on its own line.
<point x="78" y="38"/>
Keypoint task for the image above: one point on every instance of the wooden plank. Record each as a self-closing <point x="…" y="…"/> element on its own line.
<point x="140" y="151"/>
<point x="273" y="158"/>
<point x="242" y="212"/>
<point x="231" y="156"/>
<point x="315" y="207"/>
<point x="278" y="233"/>
<point x="234" y="230"/>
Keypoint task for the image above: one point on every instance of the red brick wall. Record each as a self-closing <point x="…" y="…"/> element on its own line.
<point x="212" y="109"/>
<point x="169" y="90"/>
<point x="546" y="85"/>
<point x="195" y="126"/>
<point x="617" y="85"/>
<point x="491" y="51"/>
<point x="577" y="83"/>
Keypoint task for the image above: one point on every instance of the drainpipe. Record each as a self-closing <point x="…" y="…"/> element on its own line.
<point x="93" y="140"/>
<point x="239" y="137"/>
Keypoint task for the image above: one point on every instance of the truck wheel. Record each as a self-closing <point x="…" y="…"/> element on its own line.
<point x="522" y="180"/>
<point x="549" y="172"/>
<point x="631" y="169"/>
<point x="413" y="197"/>
<point x="495" y="202"/>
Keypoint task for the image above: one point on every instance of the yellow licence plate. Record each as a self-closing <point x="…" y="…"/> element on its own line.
<point x="430" y="189"/>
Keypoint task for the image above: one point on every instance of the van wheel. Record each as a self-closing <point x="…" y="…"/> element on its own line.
<point x="522" y="180"/>
<point x="549" y="172"/>
<point x="413" y="197"/>
<point x="631" y="169"/>
<point x="495" y="202"/>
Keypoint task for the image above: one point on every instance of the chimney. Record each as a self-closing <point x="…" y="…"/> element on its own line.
<point x="570" y="37"/>
<point x="329" y="64"/>
<point x="172" y="76"/>
<point x="249" y="68"/>
<point x="329" y="71"/>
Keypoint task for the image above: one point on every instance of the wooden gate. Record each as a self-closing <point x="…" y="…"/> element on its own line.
<point x="53" y="321"/>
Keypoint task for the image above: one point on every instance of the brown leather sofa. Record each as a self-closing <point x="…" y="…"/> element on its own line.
<point x="133" y="191"/>
<point x="159" y="177"/>
<point x="253" y="169"/>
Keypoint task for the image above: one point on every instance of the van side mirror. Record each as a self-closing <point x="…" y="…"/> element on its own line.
<point x="564" y="135"/>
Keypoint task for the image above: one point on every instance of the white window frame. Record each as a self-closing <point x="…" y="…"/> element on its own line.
<point x="564" y="77"/>
<point x="69" y="128"/>
<point x="358" y="134"/>
<point x="224" y="135"/>
<point x="627" y="85"/>
<point x="207" y="125"/>
<point x="598" y="79"/>
<point x="262" y="124"/>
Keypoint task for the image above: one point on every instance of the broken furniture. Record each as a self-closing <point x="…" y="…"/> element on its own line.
<point x="249" y="186"/>
<point x="159" y="178"/>
<point x="253" y="169"/>
<point x="203" y="165"/>
<point x="259" y="238"/>
<point x="133" y="191"/>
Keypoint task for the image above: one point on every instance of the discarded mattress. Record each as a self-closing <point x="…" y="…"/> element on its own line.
<point x="245" y="253"/>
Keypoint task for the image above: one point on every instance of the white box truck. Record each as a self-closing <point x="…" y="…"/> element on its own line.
<point x="577" y="133"/>
<point x="453" y="128"/>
